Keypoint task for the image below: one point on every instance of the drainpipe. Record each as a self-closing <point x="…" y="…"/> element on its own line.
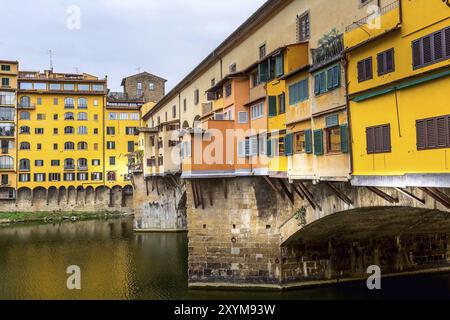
<point x="349" y="117"/>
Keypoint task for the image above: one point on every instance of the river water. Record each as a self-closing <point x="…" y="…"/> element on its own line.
<point x="116" y="263"/>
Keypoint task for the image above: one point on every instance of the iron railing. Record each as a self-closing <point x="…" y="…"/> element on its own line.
<point x="389" y="7"/>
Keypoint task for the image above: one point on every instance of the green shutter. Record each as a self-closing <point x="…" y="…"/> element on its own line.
<point x="337" y="76"/>
<point x="330" y="79"/>
<point x="318" y="142"/>
<point x="323" y="82"/>
<point x="317" y="84"/>
<point x="344" y="138"/>
<point x="308" y="141"/>
<point x="272" y="106"/>
<point x="288" y="147"/>
<point x="332" y="121"/>
<point x="304" y="94"/>
<point x="262" y="72"/>
<point x="279" y="65"/>
<point x="269" y="147"/>
<point x="283" y="103"/>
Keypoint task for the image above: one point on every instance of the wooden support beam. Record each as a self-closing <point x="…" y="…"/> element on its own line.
<point x="437" y="195"/>
<point x="67" y="195"/>
<point x="298" y="191"/>
<point x="309" y="196"/>
<point x="174" y="182"/>
<point x="58" y="200"/>
<point x="410" y="195"/>
<point x="32" y="197"/>
<point x="210" y="195"/>
<point x="286" y="190"/>
<point x="225" y="188"/>
<point x="46" y="195"/>
<point x="274" y="187"/>
<point x="146" y="186"/>
<point x="194" y="193"/>
<point x="95" y="196"/>
<point x="122" y="194"/>
<point x="383" y="195"/>
<point x="157" y="185"/>
<point x="200" y="194"/>
<point x="339" y="193"/>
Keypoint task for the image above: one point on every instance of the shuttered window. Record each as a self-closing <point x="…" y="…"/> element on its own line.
<point x="263" y="72"/>
<point x="433" y="133"/>
<point x="298" y="92"/>
<point x="385" y="62"/>
<point x="365" y="70"/>
<point x="272" y="106"/>
<point x="345" y="148"/>
<point x="288" y="145"/>
<point x="318" y="142"/>
<point x="327" y="80"/>
<point x="308" y="141"/>
<point x="378" y="139"/>
<point x="269" y="148"/>
<point x="303" y="27"/>
<point x="279" y="65"/>
<point x="431" y="49"/>
<point x="282" y="103"/>
<point x="253" y="146"/>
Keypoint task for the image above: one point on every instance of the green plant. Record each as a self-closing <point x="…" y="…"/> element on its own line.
<point x="300" y="216"/>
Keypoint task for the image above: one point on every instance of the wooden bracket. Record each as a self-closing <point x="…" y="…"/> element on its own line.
<point x="437" y="195"/>
<point x="194" y="194"/>
<point x="286" y="190"/>
<point x="410" y="195"/>
<point x="225" y="188"/>
<point x="309" y="196"/>
<point x="383" y="195"/>
<point x="339" y="193"/>
<point x="274" y="187"/>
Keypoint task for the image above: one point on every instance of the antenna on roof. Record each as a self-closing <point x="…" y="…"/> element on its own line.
<point x="50" y="53"/>
<point x="138" y="69"/>
<point x="77" y="71"/>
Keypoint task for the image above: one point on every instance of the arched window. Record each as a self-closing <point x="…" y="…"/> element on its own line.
<point x="111" y="176"/>
<point x="69" y="130"/>
<point x="69" y="146"/>
<point x="25" y="102"/>
<point x="82" y="116"/>
<point x="24" y="164"/>
<point x="82" y="130"/>
<point x="6" y="162"/>
<point x="69" y="103"/>
<point x="82" y="103"/>
<point x="82" y="164"/>
<point x="24" y="130"/>
<point x="69" y="116"/>
<point x="82" y="146"/>
<point x="24" y="115"/>
<point x="69" y="164"/>
<point x="25" y="146"/>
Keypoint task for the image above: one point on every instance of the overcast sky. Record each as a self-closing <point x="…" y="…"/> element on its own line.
<point x="117" y="37"/>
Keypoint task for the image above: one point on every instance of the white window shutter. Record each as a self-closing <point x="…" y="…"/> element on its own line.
<point x="241" y="149"/>
<point x="253" y="146"/>
<point x="263" y="145"/>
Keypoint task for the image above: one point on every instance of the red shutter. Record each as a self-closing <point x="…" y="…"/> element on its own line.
<point x="421" y="135"/>
<point x="417" y="54"/>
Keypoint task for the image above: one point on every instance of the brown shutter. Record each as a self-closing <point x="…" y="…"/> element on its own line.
<point x="369" y="74"/>
<point x="447" y="41"/>
<point x="448" y="131"/>
<point x="438" y="45"/>
<point x="431" y="129"/>
<point x="380" y="62"/>
<point x="360" y="71"/>
<point x="387" y="138"/>
<point x="370" y="140"/>
<point x="379" y="139"/>
<point x="417" y="54"/>
<point x="427" y="50"/>
<point x="421" y="135"/>
<point x="442" y="132"/>
<point x="390" y="60"/>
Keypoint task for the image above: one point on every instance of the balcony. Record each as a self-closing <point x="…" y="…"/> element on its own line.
<point x="69" y="168"/>
<point x="69" y="106"/>
<point x="207" y="108"/>
<point x="359" y="31"/>
<point x="258" y="92"/>
<point x="7" y="132"/>
<point x="330" y="51"/>
<point x="136" y="168"/>
<point x="26" y="106"/>
<point x="83" y="168"/>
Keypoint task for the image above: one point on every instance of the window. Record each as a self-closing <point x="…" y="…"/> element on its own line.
<point x="333" y="138"/>
<point x="69" y="103"/>
<point x="5" y="179"/>
<point x="39" y="177"/>
<point x="24" y="177"/>
<point x="39" y="101"/>
<point x="55" y="131"/>
<point x="82" y="116"/>
<point x="39" y="130"/>
<point x="83" y="87"/>
<point x="95" y="117"/>
<point x="69" y="130"/>
<point x="55" y="117"/>
<point x="69" y="164"/>
<point x="39" y="163"/>
<point x="95" y="146"/>
<point x="82" y="103"/>
<point x="365" y="71"/>
<point x="111" y="176"/>
<point x="82" y="146"/>
<point x="123" y="116"/>
<point x="327" y="80"/>
<point x="82" y="130"/>
<point x="5" y="82"/>
<point x="69" y="116"/>
<point x="431" y="49"/>
<point x="282" y="103"/>
<point x="134" y="116"/>
<point x="82" y="164"/>
<point x="24" y="115"/>
<point x="196" y="96"/>
<point x="55" y="163"/>
<point x="242" y="117"/>
<point x="110" y="145"/>
<point x="385" y="62"/>
<point x="54" y="177"/>
<point x="130" y="146"/>
<point x="25" y="146"/>
<point x="151" y="86"/>
<point x="111" y="131"/>
<point x="184" y="105"/>
<point x="112" y="116"/>
<point x="39" y="146"/>
<point x="6" y="67"/>
<point x="41" y="116"/>
<point x="298" y="92"/>
<point x="139" y="88"/>
<point x="95" y="103"/>
<point x="55" y="146"/>
<point x="299" y="142"/>
<point x="279" y="65"/>
<point x="25" y="102"/>
<point x="272" y="106"/>
<point x="95" y="130"/>
<point x="7" y="98"/>
<point x="96" y="176"/>
<point x="112" y="161"/>
<point x="96" y="162"/>
<point x="69" y="176"/>
<point x="69" y="87"/>
<point x="303" y="27"/>
<point x="55" y="101"/>
<point x="233" y="68"/>
<point x="6" y="162"/>
<point x="55" y="86"/>
<point x="24" y="164"/>
<point x="255" y="79"/>
<point x="228" y="89"/>
<point x="433" y="133"/>
<point x="262" y="51"/>
<point x="130" y="131"/>
<point x="257" y="111"/>
<point x="69" y="146"/>
<point x="26" y="86"/>
<point x="174" y="112"/>
<point x="82" y="176"/>
<point x="98" y="87"/>
<point x="378" y="139"/>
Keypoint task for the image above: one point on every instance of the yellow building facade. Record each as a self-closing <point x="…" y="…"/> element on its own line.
<point x="399" y="77"/>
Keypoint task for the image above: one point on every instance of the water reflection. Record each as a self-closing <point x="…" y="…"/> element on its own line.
<point x="118" y="264"/>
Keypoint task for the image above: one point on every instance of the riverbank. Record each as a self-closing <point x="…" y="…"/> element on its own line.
<point x="56" y="216"/>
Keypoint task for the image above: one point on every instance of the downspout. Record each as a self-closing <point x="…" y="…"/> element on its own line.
<point x="349" y="117"/>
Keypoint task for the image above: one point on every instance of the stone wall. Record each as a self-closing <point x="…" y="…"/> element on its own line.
<point x="160" y="204"/>
<point x="155" y="95"/>
<point x="235" y="238"/>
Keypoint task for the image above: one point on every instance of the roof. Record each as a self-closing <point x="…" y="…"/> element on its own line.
<point x="145" y="73"/>
<point x="269" y="8"/>
<point x="9" y="61"/>
<point x="296" y="71"/>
